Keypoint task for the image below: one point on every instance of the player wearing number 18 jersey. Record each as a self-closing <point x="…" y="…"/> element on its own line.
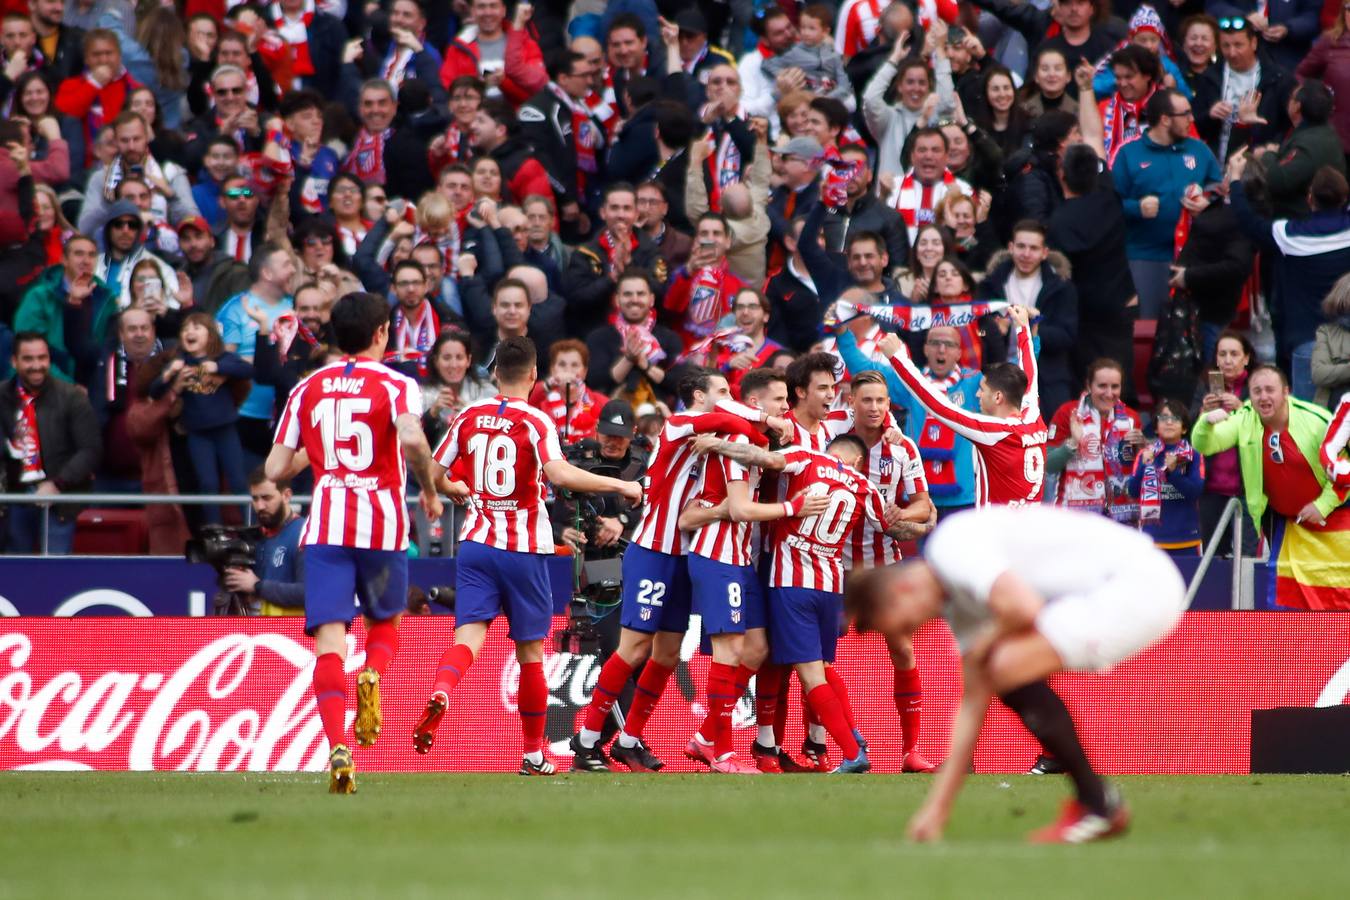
<point x="507" y="539"/>
<point x="1008" y="433"/>
<point x="351" y="419"/>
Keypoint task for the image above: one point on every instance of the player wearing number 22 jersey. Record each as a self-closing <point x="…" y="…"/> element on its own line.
<point x="1008" y="433"/>
<point x="507" y="447"/>
<point x="355" y="420"/>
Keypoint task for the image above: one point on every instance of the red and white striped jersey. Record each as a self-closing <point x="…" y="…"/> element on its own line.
<point x="343" y="416"/>
<point x="809" y="552"/>
<point x="673" y="473"/>
<point x="857" y="25"/>
<point x="1009" y="453"/>
<point x="724" y="541"/>
<point x="897" y="472"/>
<point x="508" y="443"/>
<point x="837" y="422"/>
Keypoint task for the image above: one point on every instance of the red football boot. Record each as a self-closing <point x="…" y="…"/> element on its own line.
<point x="766" y="759"/>
<point x="1077" y="825"/>
<point x="914" y="762"/>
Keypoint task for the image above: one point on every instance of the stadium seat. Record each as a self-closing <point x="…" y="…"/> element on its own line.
<point x="1144" y="333"/>
<point x="112" y="532"/>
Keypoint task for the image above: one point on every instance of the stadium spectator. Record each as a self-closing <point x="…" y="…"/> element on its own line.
<point x="1213" y="265"/>
<point x="294" y="345"/>
<point x="502" y="53"/>
<point x="812" y="63"/>
<point x="700" y="295"/>
<point x="96" y="97"/>
<point x="1331" y="355"/>
<point x="1329" y="60"/>
<point x="275" y="585"/>
<point x="760" y="93"/>
<point x="72" y="309"/>
<point x="864" y="211"/>
<point x="569" y="140"/>
<point x="736" y="351"/>
<point x="55" y="447"/>
<point x="795" y="316"/>
<point x="171" y="192"/>
<point x="564" y="397"/>
<point x="1198" y="40"/>
<point x="743" y="204"/>
<point x="1232" y="359"/>
<point x="453" y="382"/>
<point x="919" y="192"/>
<point x="1168" y="479"/>
<point x="1289" y="167"/>
<point x="216" y="276"/>
<point x="653" y="212"/>
<point x="591" y="273"/>
<point x="1241" y="102"/>
<point x="632" y="355"/>
<point x="60" y="43"/>
<point x="1094" y="441"/>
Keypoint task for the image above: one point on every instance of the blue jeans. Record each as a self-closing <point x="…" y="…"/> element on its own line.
<point x="212" y="452"/>
<point x="24" y="530"/>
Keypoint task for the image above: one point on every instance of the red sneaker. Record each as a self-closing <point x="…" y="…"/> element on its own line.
<point x="730" y="765"/>
<point x="818" y="755"/>
<point x="700" y="752"/>
<point x="914" y="762"/>
<point x="790" y="766"/>
<point x="424" y="732"/>
<point x="1077" y="825"/>
<point x="766" y="759"/>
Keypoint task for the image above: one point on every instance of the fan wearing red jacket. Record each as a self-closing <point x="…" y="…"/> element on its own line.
<point x="97" y="95"/>
<point x="501" y="53"/>
<point x="564" y="397"/>
<point x="701" y="293"/>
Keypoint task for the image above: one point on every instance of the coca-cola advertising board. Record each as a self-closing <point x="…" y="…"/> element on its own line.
<point x="233" y="695"/>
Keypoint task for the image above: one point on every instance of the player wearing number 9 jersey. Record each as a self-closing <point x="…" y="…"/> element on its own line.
<point x="806" y="581"/>
<point x="1008" y="433"/>
<point x="507" y="540"/>
<point x="351" y="419"/>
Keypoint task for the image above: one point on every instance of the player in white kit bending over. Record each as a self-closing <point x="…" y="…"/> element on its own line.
<point x="1028" y="592"/>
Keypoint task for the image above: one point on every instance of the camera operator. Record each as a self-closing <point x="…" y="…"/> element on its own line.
<point x="605" y="518"/>
<point x="276" y="583"/>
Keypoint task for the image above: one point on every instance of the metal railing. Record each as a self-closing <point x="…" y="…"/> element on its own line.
<point x="1232" y="512"/>
<point x="450" y="519"/>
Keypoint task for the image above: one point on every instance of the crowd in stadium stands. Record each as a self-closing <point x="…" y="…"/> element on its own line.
<point x="646" y="186"/>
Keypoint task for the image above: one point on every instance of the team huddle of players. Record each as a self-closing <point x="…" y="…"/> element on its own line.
<point x="762" y="538"/>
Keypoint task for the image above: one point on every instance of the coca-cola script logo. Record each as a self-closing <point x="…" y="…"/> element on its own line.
<point x="187" y="718"/>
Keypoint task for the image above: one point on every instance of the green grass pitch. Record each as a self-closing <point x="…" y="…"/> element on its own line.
<point x="465" y="836"/>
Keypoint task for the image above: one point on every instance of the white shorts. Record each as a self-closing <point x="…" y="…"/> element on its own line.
<point x="1137" y="605"/>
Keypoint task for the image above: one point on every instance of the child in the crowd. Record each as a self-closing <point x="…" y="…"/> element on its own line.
<point x="1168" y="479"/>
<point x="815" y="56"/>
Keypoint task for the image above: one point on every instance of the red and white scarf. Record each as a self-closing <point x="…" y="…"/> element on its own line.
<point x="1122" y="121"/>
<point x="574" y="409"/>
<point x="730" y="340"/>
<point x="26" y="444"/>
<point x="394" y="68"/>
<point x="454" y="141"/>
<point x="352" y="237"/>
<point x="587" y="138"/>
<point x="286" y="328"/>
<point x="708" y="301"/>
<point x="296" y="36"/>
<point x="1154" y="474"/>
<point x="413" y="340"/>
<point x="918" y="203"/>
<point x="651" y="347"/>
<point x="860" y="20"/>
<point x="609" y="243"/>
<point x="725" y="166"/>
<point x="917" y="318"/>
<point x="366" y="160"/>
<point x="1097" y="476"/>
<point x="604" y="110"/>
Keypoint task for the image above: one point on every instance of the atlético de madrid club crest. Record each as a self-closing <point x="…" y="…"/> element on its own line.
<point x="1189" y="161"/>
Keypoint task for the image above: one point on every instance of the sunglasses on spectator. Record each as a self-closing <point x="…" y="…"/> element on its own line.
<point x="126" y="223"/>
<point x="228" y="91"/>
<point x="236" y="193"/>
<point x="1276" y="454"/>
<point x="1233" y="23"/>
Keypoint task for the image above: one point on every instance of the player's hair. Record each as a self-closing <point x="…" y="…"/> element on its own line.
<point x="570" y="345"/>
<point x="1256" y="370"/>
<point x="1009" y="379"/>
<point x="756" y="380"/>
<point x="802" y="368"/>
<point x="515" y="358"/>
<point x="356" y="318"/>
<point x="259" y="476"/>
<point x="868" y="376"/>
<point x="1103" y="362"/>
<point x="697" y="378"/>
<point x="850" y="441"/>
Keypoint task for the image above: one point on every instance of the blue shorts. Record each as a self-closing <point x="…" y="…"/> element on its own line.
<point x="490" y="582"/>
<point x="727" y="598"/>
<point x="656" y="594"/>
<point x="377" y="579"/>
<point x="803" y="624"/>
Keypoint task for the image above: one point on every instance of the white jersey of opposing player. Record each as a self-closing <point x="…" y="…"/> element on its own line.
<point x="1109" y="592"/>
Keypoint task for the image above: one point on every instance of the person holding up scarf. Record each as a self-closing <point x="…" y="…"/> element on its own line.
<point x="1168" y="479"/>
<point x="1094" y="440"/>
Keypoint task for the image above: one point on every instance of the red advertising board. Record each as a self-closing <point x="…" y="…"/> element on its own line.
<point x="234" y="694"/>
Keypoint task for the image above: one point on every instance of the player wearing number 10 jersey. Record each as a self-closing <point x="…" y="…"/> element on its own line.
<point x="507" y="540"/>
<point x="351" y="419"/>
<point x="1008" y="433"/>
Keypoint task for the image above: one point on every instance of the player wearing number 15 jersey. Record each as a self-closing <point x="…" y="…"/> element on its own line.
<point x="1008" y="433"/>
<point x="509" y="447"/>
<point x="351" y="419"/>
<point x="806" y="582"/>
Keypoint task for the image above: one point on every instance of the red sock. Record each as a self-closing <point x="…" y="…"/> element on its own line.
<point x="767" y="682"/>
<point x="454" y="663"/>
<point x="381" y="645"/>
<point x="841" y="691"/>
<point x="743" y="676"/>
<point x="532" y="703"/>
<point x="330" y="690"/>
<point x="721" y="699"/>
<point x="780" y="715"/>
<point x="651" y="684"/>
<point x="614" y="674"/>
<point x="908" y="693"/>
<point x="823" y="701"/>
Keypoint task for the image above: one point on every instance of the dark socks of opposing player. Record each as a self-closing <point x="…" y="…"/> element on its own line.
<point x="1046" y="717"/>
<point x="531" y="698"/>
<point x="330" y="679"/>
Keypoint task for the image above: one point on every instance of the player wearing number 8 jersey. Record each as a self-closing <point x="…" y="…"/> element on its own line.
<point x="507" y="539"/>
<point x="351" y="419"/>
<point x="1008" y="433"/>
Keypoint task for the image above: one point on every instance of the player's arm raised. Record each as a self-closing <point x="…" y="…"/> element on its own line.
<point x="418" y="454"/>
<point x="565" y="475"/>
<point x="1026" y="355"/>
<point x="745" y="454"/>
<point x="974" y="427"/>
